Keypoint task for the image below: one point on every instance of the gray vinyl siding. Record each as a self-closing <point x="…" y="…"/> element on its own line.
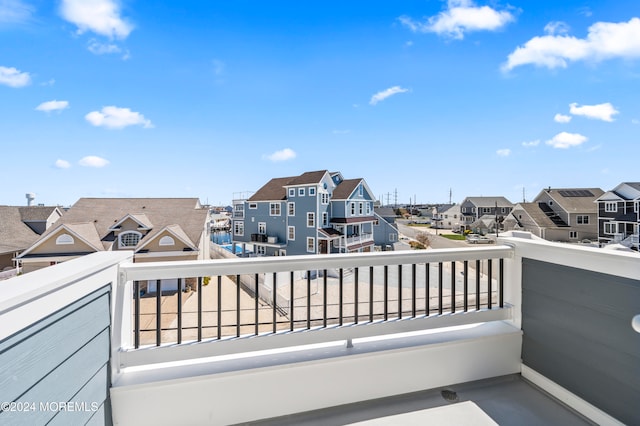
<point x="62" y="358"/>
<point x="577" y="332"/>
<point x="304" y="205"/>
<point x="381" y="233"/>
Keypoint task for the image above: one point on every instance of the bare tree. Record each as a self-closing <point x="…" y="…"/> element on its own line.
<point x="423" y="238"/>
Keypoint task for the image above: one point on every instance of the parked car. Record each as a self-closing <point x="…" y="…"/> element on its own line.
<point x="478" y="239"/>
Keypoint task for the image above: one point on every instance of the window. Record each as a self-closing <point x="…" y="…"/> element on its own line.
<point x="253" y="206"/>
<point x="274" y="209"/>
<point x="64" y="239"/>
<point x="610" y="228"/>
<point x="573" y="235"/>
<point x="455" y="216"/>
<point x="311" y="220"/>
<point x="261" y="250"/>
<point x="291" y="233"/>
<point x="360" y="208"/>
<point x="353" y="209"/>
<point x="325" y="219"/>
<point x="582" y="220"/>
<point x="446" y="216"/>
<point x="368" y="208"/>
<point x="129" y="239"/>
<point x="238" y="210"/>
<point x="311" y="245"/>
<point x="301" y="192"/>
<point x="393" y="237"/>
<point x="473" y="209"/>
<point x="312" y="192"/>
<point x="611" y="207"/>
<point x="486" y="210"/>
<point x="360" y="190"/>
<point x="291" y="209"/>
<point x="167" y="241"/>
<point x="292" y="192"/>
<point x="503" y="209"/>
<point x="238" y="228"/>
<point x="636" y="206"/>
<point x="262" y="228"/>
<point x="324" y="198"/>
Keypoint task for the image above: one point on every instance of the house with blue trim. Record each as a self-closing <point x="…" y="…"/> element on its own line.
<point x="316" y="212"/>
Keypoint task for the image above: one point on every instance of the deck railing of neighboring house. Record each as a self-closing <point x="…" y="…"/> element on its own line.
<point x="431" y="288"/>
<point x="361" y="238"/>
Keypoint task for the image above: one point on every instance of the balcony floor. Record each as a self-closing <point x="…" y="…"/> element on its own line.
<point x="508" y="400"/>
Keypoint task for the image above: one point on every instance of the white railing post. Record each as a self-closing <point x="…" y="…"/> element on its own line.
<point x="513" y="283"/>
<point x="122" y="332"/>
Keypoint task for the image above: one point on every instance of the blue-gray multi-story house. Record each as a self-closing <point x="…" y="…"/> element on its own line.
<point x="313" y="213"/>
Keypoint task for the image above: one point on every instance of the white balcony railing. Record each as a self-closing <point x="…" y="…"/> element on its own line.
<point x="359" y="239"/>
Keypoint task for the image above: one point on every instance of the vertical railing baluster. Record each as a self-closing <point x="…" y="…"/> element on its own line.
<point x="219" y="307"/>
<point x="370" y="293"/>
<point x="453" y="287"/>
<point x="291" y="303"/>
<point x="324" y="299"/>
<point x="275" y="302"/>
<point x="413" y="290"/>
<point x="158" y="312"/>
<point x="466" y="285"/>
<point x="199" y="309"/>
<point x="440" y="287"/>
<point x="340" y="298"/>
<point x="400" y="291"/>
<point x="179" y="313"/>
<point x="256" y="305"/>
<point x="386" y="292"/>
<point x="355" y="306"/>
<point x="501" y="295"/>
<point x="308" y="300"/>
<point x="237" y="305"/>
<point x="136" y="318"/>
<point x="427" y="282"/>
<point x="478" y="284"/>
<point x="489" y="287"/>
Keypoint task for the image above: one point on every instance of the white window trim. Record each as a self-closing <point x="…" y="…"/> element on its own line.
<point x="368" y="208"/>
<point x="311" y="220"/>
<point x="120" y="245"/>
<point x="167" y="241"/>
<point x="573" y="235"/>
<point x="300" y="192"/>
<point x="64" y="239"/>
<point x="312" y="192"/>
<point x="610" y="225"/>
<point x="262" y="228"/>
<point x="325" y="219"/>
<point x="610" y="206"/>
<point x="238" y="225"/>
<point x="292" y="192"/>
<point x="261" y="250"/>
<point x="271" y="209"/>
<point x="324" y="199"/>
<point x="291" y="233"/>
<point x="360" y="208"/>
<point x="580" y="219"/>
<point x="291" y="209"/>
<point x="352" y="208"/>
<point x="253" y="206"/>
<point x="311" y="245"/>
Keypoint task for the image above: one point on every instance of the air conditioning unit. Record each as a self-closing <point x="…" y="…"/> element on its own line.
<point x="272" y="240"/>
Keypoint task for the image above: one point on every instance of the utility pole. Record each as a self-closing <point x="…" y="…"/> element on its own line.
<point x="395" y="198"/>
<point x="450" y="194"/>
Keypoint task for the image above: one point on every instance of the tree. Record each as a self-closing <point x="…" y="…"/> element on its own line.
<point x="423" y="238"/>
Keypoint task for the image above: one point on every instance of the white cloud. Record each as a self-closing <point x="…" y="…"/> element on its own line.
<point x="282" y="155"/>
<point x="381" y="96"/>
<point x="605" y="40"/>
<point x="561" y="118"/>
<point x="93" y="161"/>
<point x="113" y="117"/>
<point x="602" y="112"/>
<point x="99" y="16"/>
<point x="566" y="140"/>
<point x="531" y="143"/>
<point x="460" y="16"/>
<point x="98" y="48"/>
<point x="62" y="164"/>
<point x="14" y="11"/>
<point x="14" y="78"/>
<point x="556" y="27"/>
<point x="52" y="106"/>
<point x="503" y="152"/>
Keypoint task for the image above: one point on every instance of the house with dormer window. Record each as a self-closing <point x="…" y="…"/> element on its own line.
<point x="316" y="212"/>
<point x="619" y="215"/>
<point x="155" y="229"/>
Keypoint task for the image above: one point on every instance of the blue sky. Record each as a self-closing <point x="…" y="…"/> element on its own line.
<point x="100" y="98"/>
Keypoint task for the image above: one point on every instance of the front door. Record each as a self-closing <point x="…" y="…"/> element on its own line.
<point x="324" y="245"/>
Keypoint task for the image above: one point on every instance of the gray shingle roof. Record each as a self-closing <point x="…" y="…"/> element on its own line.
<point x="102" y="213"/>
<point x="489" y="201"/>
<point x="308" y="178"/>
<point x="14" y="234"/>
<point x="33" y="213"/>
<point x="273" y="190"/>
<point x="538" y="216"/>
<point x="345" y="188"/>
<point x="575" y="204"/>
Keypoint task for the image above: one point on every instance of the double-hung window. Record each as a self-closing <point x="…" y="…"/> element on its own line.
<point x="311" y="220"/>
<point x="611" y="207"/>
<point x="274" y="209"/>
<point x="291" y="209"/>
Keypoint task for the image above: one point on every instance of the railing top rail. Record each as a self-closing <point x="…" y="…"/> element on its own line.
<point x="194" y="268"/>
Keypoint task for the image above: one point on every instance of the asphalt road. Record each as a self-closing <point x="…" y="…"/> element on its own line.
<point x="435" y="240"/>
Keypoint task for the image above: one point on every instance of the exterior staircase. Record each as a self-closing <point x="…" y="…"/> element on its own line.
<point x="555" y="218"/>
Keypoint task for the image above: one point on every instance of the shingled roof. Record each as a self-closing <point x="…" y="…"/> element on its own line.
<point x="159" y="213"/>
<point x="15" y="235"/>
<point x="345" y="188"/>
<point x="575" y="200"/>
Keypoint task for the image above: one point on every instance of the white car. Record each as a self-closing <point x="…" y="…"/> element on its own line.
<point x="478" y="239"/>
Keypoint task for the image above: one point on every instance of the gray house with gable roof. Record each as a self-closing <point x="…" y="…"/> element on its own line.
<point x="316" y="212"/>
